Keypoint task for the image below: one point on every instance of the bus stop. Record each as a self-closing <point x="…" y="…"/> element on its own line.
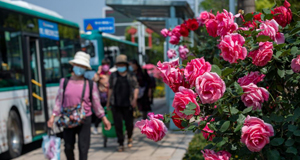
<point x="156" y="15"/>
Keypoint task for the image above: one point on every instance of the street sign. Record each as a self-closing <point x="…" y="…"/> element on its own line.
<point x="106" y="25"/>
<point x="48" y="30"/>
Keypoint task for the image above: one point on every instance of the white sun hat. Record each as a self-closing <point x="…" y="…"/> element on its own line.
<point x="81" y="58"/>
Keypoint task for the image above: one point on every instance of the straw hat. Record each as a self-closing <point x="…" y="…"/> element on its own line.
<point x="121" y="59"/>
<point x="81" y="58"/>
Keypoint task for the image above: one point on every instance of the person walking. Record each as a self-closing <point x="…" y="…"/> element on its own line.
<point x="144" y="82"/>
<point x="75" y="93"/>
<point x="101" y="78"/>
<point x="122" y="96"/>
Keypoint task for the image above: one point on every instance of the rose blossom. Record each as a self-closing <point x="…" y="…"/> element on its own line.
<point x="254" y="96"/>
<point x="184" y="31"/>
<point x="204" y="17"/>
<point x="226" y="24"/>
<point x="192" y="24"/>
<point x="164" y="32"/>
<point x="183" y="51"/>
<point x="285" y="14"/>
<point x="206" y="130"/>
<point x="154" y="128"/>
<point x="209" y="154"/>
<point x="171" y="76"/>
<point x="270" y="28"/>
<point x="296" y="64"/>
<point x="232" y="49"/>
<point x="256" y="133"/>
<point x="195" y="68"/>
<point x="174" y="40"/>
<point x="182" y="99"/>
<point x="262" y="55"/>
<point x="177" y="120"/>
<point x="252" y="24"/>
<point x="175" y="31"/>
<point x="252" y="77"/>
<point x="210" y="87"/>
<point x="171" y="53"/>
<point x="211" y="27"/>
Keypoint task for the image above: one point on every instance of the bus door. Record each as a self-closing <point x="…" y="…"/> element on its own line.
<point x="36" y="87"/>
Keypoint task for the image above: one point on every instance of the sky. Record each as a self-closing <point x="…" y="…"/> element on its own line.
<point x="73" y="10"/>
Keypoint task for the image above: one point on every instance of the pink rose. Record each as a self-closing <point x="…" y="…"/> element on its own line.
<point x="164" y="32"/>
<point x="174" y="40"/>
<point x="183" y="98"/>
<point x="171" y="76"/>
<point x="204" y="17"/>
<point x="209" y="154"/>
<point x="284" y="16"/>
<point x="211" y="27"/>
<point x="183" y="51"/>
<point x="286" y="4"/>
<point x="154" y="128"/>
<point x="256" y="133"/>
<point x="175" y="31"/>
<point x="206" y="131"/>
<point x="254" y="96"/>
<point x="296" y="64"/>
<point x="270" y="28"/>
<point x="253" y="77"/>
<point x="262" y="55"/>
<point x="195" y="68"/>
<point x="171" y="53"/>
<point x="226" y="24"/>
<point x="210" y="87"/>
<point x="232" y="49"/>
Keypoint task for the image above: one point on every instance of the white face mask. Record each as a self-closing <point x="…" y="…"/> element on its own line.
<point x="79" y="71"/>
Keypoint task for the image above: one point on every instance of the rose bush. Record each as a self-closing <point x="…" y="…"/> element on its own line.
<point x="240" y="86"/>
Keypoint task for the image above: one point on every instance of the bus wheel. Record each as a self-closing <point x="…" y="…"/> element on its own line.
<point x="14" y="135"/>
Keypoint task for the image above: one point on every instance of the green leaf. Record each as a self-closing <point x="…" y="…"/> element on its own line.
<point x="297" y="132"/>
<point x="238" y="88"/>
<point x="289" y="72"/>
<point x="202" y="124"/>
<point x="292" y="128"/>
<point x="191" y="127"/>
<point x="246" y="110"/>
<point x="188" y="112"/>
<point x="188" y="59"/>
<point x="224" y="140"/>
<point x="217" y="139"/>
<point x="266" y="11"/>
<point x="238" y="127"/>
<point x="269" y="16"/>
<point x="212" y="127"/>
<point x="233" y="110"/>
<point x="277" y="141"/>
<point x="297" y="113"/>
<point x="216" y="61"/>
<point x="294" y="51"/>
<point x="278" y="54"/>
<point x="184" y="123"/>
<point x="208" y="146"/>
<point x="216" y="69"/>
<point x="225" y="126"/>
<point x="227" y="71"/>
<point x="289" y="142"/>
<point x="191" y="105"/>
<point x="292" y="150"/>
<point x="263" y="38"/>
<point x="254" y="47"/>
<point x="295" y="30"/>
<point x="248" y="17"/>
<point x="241" y="119"/>
<point x="281" y="73"/>
<point x="273" y="155"/>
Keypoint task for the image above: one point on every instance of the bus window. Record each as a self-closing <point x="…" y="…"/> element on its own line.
<point x="88" y="47"/>
<point x="51" y="60"/>
<point x="9" y="20"/>
<point x="11" y="59"/>
<point x="29" y="24"/>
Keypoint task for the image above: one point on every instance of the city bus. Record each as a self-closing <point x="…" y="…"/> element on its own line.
<point x="101" y="45"/>
<point x="35" y="47"/>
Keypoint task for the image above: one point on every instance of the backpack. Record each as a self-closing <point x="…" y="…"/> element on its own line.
<point x="90" y="86"/>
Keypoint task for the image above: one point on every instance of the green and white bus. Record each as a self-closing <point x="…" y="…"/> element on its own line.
<point x="101" y="45"/>
<point x="35" y="47"/>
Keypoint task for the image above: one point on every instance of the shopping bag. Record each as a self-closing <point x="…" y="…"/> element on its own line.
<point x="51" y="147"/>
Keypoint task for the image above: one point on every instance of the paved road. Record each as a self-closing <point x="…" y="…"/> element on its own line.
<point x="172" y="147"/>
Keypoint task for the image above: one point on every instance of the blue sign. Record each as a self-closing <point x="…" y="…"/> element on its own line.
<point x="106" y="25"/>
<point x="48" y="30"/>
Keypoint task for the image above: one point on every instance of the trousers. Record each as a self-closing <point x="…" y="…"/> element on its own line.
<point x="120" y="114"/>
<point x="84" y="137"/>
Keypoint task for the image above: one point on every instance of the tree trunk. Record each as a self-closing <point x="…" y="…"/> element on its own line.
<point x="247" y="5"/>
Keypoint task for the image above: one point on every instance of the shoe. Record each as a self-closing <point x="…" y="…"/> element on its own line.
<point x="120" y="148"/>
<point x="94" y="131"/>
<point x="129" y="143"/>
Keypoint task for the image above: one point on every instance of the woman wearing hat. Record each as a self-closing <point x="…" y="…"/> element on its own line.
<point x="74" y="95"/>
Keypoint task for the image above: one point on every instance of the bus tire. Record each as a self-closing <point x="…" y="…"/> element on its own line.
<point x="14" y="135"/>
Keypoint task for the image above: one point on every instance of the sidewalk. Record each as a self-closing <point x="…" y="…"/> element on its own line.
<point x="172" y="147"/>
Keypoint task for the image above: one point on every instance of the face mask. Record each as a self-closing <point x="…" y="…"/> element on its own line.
<point x="130" y="68"/>
<point x="105" y="68"/>
<point x="78" y="70"/>
<point x="121" y="69"/>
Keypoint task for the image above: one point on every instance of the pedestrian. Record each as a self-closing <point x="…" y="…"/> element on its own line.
<point x="145" y="92"/>
<point x="122" y="96"/>
<point x="101" y="78"/>
<point x="75" y="93"/>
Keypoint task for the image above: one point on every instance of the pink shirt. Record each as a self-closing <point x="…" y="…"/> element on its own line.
<point x="73" y="96"/>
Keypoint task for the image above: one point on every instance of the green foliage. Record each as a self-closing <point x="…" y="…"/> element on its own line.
<point x="196" y="144"/>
